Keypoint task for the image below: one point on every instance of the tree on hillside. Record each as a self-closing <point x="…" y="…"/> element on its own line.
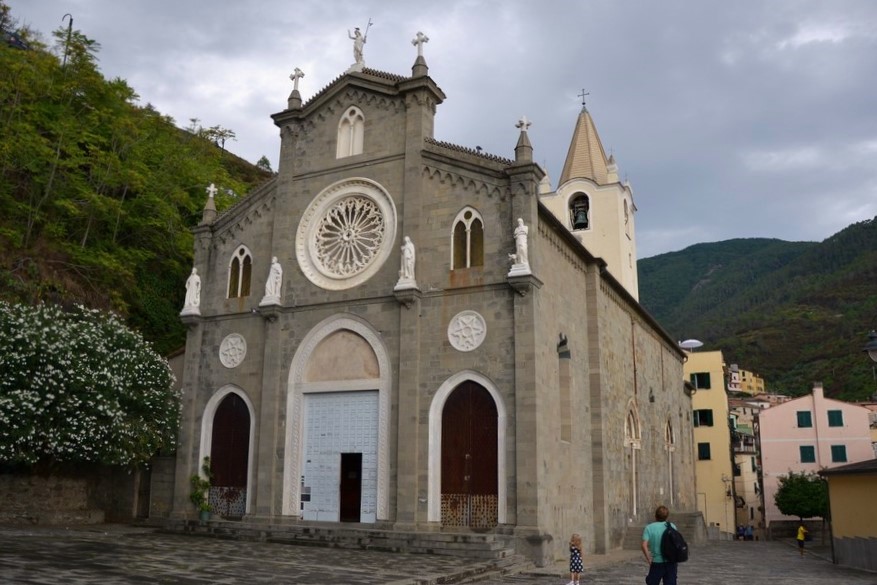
<point x="804" y="495"/>
<point x="97" y="193"/>
<point x="80" y="386"/>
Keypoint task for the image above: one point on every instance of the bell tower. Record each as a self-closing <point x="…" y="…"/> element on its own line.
<point x="594" y="205"/>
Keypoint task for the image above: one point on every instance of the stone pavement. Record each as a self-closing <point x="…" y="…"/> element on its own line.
<point x="124" y="555"/>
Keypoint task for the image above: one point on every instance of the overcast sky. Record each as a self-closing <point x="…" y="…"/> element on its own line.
<point x="730" y="118"/>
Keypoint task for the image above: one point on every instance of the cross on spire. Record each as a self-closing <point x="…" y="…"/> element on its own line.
<point x="211" y="190"/>
<point x="296" y="75"/>
<point x="418" y="42"/>
<point x="523" y="124"/>
<point x="583" y="94"/>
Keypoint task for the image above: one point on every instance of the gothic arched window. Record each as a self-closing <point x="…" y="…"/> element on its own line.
<point x="239" y="272"/>
<point x="350" y="132"/>
<point x="580" y="212"/>
<point x="467" y="246"/>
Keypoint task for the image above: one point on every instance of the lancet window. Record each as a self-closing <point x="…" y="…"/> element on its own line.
<point x="468" y="240"/>
<point x="240" y="270"/>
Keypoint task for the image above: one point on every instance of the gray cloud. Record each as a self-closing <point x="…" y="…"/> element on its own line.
<point x="743" y="119"/>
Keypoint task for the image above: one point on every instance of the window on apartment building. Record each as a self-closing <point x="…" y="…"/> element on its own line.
<point x="838" y="453"/>
<point x="805" y="420"/>
<point x="737" y="471"/>
<point x="835" y="418"/>
<point x="808" y="453"/>
<point x="754" y="466"/>
<point x="703" y="451"/>
<point x="701" y="380"/>
<point x="703" y="418"/>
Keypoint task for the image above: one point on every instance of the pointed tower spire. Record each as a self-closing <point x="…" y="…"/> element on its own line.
<point x="586" y="158"/>
<point x="523" y="150"/>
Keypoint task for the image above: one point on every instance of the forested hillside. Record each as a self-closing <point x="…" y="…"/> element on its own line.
<point x="97" y="192"/>
<point x="793" y="312"/>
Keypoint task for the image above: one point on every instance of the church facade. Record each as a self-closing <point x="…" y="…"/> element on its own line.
<point x="443" y="342"/>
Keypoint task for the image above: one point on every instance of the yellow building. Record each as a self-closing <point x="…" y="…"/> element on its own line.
<point x="713" y="472"/>
<point x="740" y="380"/>
<point x="851" y="490"/>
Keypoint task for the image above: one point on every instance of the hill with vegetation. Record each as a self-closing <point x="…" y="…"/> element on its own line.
<point x="98" y="193"/>
<point x="792" y="312"/>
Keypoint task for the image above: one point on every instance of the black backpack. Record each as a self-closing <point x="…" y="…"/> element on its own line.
<point x="674" y="549"/>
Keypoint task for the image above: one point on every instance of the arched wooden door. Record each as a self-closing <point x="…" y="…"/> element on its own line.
<point x="469" y="458"/>
<point x="229" y="457"/>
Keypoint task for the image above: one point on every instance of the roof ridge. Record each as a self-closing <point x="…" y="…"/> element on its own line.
<point x="472" y="151"/>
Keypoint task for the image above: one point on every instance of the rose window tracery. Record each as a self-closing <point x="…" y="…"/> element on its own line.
<point x="346" y="234"/>
<point x="349" y="236"/>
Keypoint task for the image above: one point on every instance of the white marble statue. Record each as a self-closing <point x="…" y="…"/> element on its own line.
<point x="408" y="259"/>
<point x="275" y="279"/>
<point x="406" y="271"/>
<point x="521" y="252"/>
<point x="521" y="258"/>
<point x="358" y="43"/>
<point x="193" y="292"/>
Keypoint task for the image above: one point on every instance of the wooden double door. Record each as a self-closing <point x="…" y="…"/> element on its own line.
<point x="469" y="458"/>
<point x="229" y="457"/>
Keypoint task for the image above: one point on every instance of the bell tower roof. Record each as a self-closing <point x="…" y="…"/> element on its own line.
<point x="586" y="158"/>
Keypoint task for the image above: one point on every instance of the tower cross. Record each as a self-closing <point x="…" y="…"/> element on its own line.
<point x="296" y="75"/>
<point x="523" y="124"/>
<point x="583" y="94"/>
<point x="211" y="190"/>
<point x="418" y="42"/>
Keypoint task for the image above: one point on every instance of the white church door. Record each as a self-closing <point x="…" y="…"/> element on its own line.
<point x="229" y="457"/>
<point x="469" y="458"/>
<point x="340" y="463"/>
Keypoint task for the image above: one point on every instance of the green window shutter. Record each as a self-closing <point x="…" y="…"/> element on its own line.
<point x="808" y="454"/>
<point x="804" y="419"/>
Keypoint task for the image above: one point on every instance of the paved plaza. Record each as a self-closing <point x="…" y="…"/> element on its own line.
<point x="111" y="555"/>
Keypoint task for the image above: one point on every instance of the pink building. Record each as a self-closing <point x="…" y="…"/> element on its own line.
<point x="809" y="434"/>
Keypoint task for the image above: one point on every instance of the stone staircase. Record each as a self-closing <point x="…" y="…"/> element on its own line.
<point x="690" y="524"/>
<point x="491" y="556"/>
<point x="486" y="546"/>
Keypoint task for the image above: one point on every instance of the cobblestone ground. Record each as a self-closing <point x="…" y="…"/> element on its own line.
<point x="126" y="556"/>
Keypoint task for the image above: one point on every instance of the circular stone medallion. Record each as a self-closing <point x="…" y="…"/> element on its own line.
<point x="232" y="350"/>
<point x="466" y="330"/>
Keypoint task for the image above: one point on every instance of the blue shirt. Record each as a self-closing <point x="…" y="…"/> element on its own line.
<point x="653" y="533"/>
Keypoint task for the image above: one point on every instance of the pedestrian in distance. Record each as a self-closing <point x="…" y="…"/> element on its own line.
<point x="802" y="536"/>
<point x="660" y="571"/>
<point x="575" y="559"/>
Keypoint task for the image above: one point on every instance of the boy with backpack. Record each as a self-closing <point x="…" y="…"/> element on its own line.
<point x="663" y="548"/>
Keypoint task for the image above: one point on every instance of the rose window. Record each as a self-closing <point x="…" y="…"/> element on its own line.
<point x="346" y="234"/>
<point x="349" y="236"/>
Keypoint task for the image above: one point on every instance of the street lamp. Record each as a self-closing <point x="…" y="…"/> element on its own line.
<point x="871" y="349"/>
<point x="871" y="346"/>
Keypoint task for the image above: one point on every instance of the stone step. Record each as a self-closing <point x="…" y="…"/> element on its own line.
<point x="486" y="546"/>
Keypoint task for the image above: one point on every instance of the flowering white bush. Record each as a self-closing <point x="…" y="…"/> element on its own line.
<point x="81" y="386"/>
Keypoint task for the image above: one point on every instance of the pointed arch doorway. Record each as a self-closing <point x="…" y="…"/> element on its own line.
<point x="469" y="458"/>
<point x="229" y="457"/>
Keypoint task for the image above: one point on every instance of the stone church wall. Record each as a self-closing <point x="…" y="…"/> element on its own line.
<point x="565" y="462"/>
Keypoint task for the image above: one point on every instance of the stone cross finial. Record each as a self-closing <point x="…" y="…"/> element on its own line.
<point x="418" y="42"/>
<point x="523" y="124"/>
<point x="296" y="75"/>
<point x="211" y="190"/>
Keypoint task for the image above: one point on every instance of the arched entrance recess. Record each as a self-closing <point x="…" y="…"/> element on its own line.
<point x="467" y="467"/>
<point x="227" y="438"/>
<point x="338" y="402"/>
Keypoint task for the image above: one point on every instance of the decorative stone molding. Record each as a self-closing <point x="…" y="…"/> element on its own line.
<point x="467" y="330"/>
<point x="346" y="234"/>
<point x="407" y="296"/>
<point x="232" y="350"/>
<point x="523" y="283"/>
